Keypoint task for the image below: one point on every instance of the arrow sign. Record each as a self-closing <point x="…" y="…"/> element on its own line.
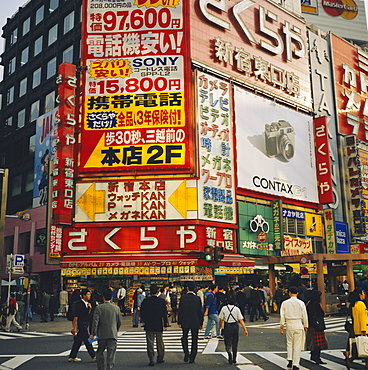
<point x="110" y="235"/>
<point x="184" y="199"/>
<point x="92" y="201"/>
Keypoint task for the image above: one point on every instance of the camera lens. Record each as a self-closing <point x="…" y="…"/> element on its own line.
<point x="286" y="148"/>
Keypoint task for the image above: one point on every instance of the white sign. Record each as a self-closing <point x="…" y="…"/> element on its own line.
<point x="275" y="148"/>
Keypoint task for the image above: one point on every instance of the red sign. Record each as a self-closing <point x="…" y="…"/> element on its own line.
<point x="323" y="163"/>
<point x="262" y="237"/>
<point x="55" y="241"/>
<point x="64" y="162"/>
<point x="187" y="238"/>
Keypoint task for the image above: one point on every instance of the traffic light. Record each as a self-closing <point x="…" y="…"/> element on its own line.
<point x="28" y="265"/>
<point x="218" y="256"/>
<point x="207" y="253"/>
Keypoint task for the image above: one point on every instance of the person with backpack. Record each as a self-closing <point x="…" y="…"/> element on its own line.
<point x="12" y="309"/>
<point x="231" y="316"/>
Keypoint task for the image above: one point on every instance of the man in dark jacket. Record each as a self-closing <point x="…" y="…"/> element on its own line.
<point x="82" y="318"/>
<point x="190" y="318"/>
<point x="106" y="323"/>
<point x="257" y="301"/>
<point x="154" y="316"/>
<point x="44" y="306"/>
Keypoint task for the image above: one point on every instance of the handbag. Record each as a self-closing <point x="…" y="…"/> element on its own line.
<point x="348" y="324"/>
<point x="319" y="324"/>
<point x="362" y="346"/>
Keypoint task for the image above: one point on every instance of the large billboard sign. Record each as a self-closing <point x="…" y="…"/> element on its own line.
<point x="275" y="148"/>
<point x="136" y="88"/>
<point x="256" y="42"/>
<point x="180" y="238"/>
<point x="346" y="18"/>
<point x="351" y="85"/>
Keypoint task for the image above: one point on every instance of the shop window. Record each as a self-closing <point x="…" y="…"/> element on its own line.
<point x="24" y="56"/>
<point x="52" y="34"/>
<point x="21" y="118"/>
<point x="39" y="15"/>
<point x="23" y="87"/>
<point x="300" y="226"/>
<point x="17" y="185"/>
<point x="68" y="22"/>
<point x="38" y="46"/>
<point x="51" y="68"/>
<point x="24" y="243"/>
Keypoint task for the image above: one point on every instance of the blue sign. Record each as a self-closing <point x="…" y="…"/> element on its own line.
<point x="342" y="237"/>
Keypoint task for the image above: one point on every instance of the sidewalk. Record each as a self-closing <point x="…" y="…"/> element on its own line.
<point x="62" y="325"/>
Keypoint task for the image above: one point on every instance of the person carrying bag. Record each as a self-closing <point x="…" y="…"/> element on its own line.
<point x="231" y="316"/>
<point x="359" y="316"/>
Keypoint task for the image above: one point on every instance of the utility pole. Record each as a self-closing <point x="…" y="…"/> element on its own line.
<point x="4" y="174"/>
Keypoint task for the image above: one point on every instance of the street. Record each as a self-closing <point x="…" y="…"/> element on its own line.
<point x="47" y="346"/>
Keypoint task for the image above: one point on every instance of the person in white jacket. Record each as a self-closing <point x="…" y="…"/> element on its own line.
<point x="293" y="316"/>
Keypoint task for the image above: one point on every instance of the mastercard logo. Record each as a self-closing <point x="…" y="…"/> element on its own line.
<point x="344" y="8"/>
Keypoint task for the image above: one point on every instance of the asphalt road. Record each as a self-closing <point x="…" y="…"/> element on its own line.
<point x="47" y="346"/>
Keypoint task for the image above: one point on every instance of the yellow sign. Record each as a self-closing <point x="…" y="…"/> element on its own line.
<point x="184" y="199"/>
<point x="92" y="201"/>
<point x="313" y="224"/>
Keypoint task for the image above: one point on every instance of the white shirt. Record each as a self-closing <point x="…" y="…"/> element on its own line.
<point x="121" y="293"/>
<point x="232" y="317"/>
<point x="294" y="314"/>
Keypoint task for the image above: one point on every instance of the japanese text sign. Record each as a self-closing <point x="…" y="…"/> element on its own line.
<point x="277" y="224"/>
<point x="296" y="246"/>
<point x="329" y="230"/>
<point x="55" y="241"/>
<point x="135" y="94"/>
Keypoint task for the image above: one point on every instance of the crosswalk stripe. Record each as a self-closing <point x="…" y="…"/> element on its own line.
<point x="29" y="334"/>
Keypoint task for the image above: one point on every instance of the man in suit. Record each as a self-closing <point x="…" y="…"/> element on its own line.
<point x="190" y="318"/>
<point x="44" y="306"/>
<point x="154" y="316"/>
<point x="257" y="302"/>
<point x="106" y="323"/>
<point x="82" y="318"/>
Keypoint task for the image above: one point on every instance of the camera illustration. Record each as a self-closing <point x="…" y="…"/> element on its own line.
<point x="280" y="139"/>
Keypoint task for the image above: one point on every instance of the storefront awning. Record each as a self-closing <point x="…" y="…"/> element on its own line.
<point x="236" y="260"/>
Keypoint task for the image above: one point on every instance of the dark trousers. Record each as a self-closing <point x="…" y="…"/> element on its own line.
<point x="44" y="313"/>
<point x="82" y="337"/>
<point x="121" y="304"/>
<point x="257" y="307"/>
<point x="231" y="339"/>
<point x="184" y="342"/>
<point x="150" y="338"/>
<point x="110" y="345"/>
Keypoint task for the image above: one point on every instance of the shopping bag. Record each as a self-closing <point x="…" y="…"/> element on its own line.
<point x="362" y="346"/>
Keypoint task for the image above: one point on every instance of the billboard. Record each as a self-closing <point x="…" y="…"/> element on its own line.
<point x="135" y="116"/>
<point x="216" y="184"/>
<point x="346" y="18"/>
<point x="44" y="152"/>
<point x="342" y="237"/>
<point x="136" y="239"/>
<point x="275" y="148"/>
<point x="257" y="43"/>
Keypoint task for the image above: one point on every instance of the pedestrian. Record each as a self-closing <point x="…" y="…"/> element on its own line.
<point x="269" y="297"/>
<point x="12" y="310"/>
<point x="154" y="316"/>
<point x="257" y="299"/>
<point x="174" y="305"/>
<point x="316" y="339"/>
<point x="44" y="305"/>
<point x="231" y="316"/>
<point x="200" y="294"/>
<point x="63" y="301"/>
<point x="345" y="286"/>
<point x="293" y="316"/>
<point x="75" y="297"/>
<point x="52" y="305"/>
<point x="137" y="307"/>
<point x="247" y="291"/>
<point x="358" y="312"/>
<point x="221" y="298"/>
<point x="211" y="312"/>
<point x="190" y="318"/>
<point x="278" y="297"/>
<point x="82" y="318"/>
<point x="105" y="324"/>
<point x="121" y="298"/>
<point x="241" y="299"/>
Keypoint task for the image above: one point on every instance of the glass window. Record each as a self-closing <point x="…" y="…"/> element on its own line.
<point x="24" y="243"/>
<point x="36" y="78"/>
<point x="13" y="37"/>
<point x="35" y="110"/>
<point x="51" y="68"/>
<point x="9" y="244"/>
<point x="32" y="144"/>
<point x="23" y="87"/>
<point x="11" y="66"/>
<point x="38" y="46"/>
<point x="50" y="101"/>
<point x="52" y="34"/>
<point x="17" y="185"/>
<point x="39" y="14"/>
<point x="24" y="56"/>
<point x="10" y="95"/>
<point x="9" y="121"/>
<point x="68" y="22"/>
<point x="26" y="25"/>
<point x="29" y="181"/>
<point x="21" y="118"/>
<point x="68" y="55"/>
<point x="53" y="5"/>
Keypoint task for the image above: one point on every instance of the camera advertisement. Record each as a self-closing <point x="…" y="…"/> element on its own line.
<point x="275" y="148"/>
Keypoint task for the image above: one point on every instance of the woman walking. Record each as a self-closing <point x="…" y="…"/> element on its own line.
<point x="358" y="311"/>
<point x="231" y="315"/>
<point x="316" y="339"/>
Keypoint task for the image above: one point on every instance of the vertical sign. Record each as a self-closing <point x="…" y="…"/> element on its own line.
<point x="135" y="116"/>
<point x="277" y="224"/>
<point x="216" y="147"/>
<point x="323" y="164"/>
<point x="355" y="202"/>
<point x="62" y="201"/>
<point x="329" y="231"/>
<point x="342" y="237"/>
<point x="55" y="241"/>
